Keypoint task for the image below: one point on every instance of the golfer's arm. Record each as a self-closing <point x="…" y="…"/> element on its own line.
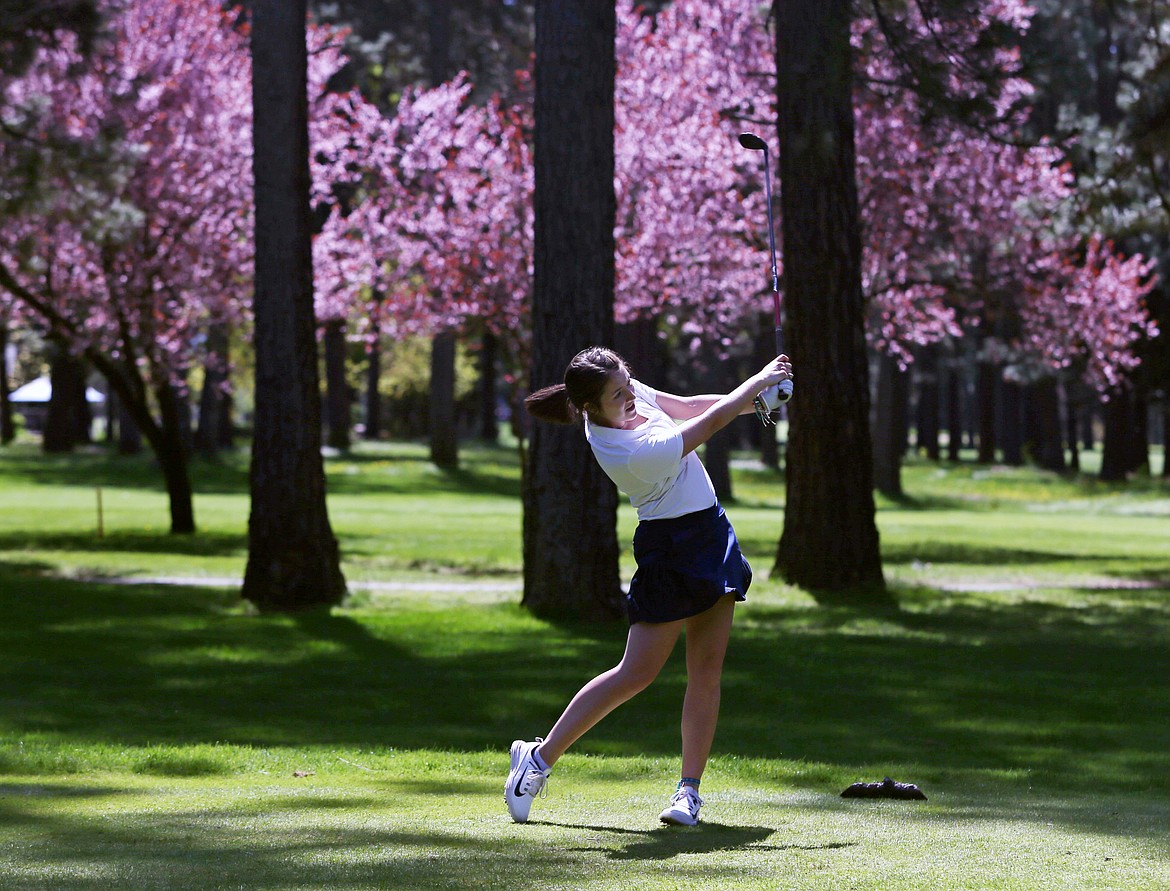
<point x="717" y="415"/>
<point x="683" y="408"/>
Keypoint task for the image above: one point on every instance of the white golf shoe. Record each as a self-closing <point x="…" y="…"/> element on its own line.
<point x="684" y="807"/>
<point x="525" y="780"/>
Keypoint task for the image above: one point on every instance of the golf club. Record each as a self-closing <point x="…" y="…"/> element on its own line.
<point x="773" y="397"/>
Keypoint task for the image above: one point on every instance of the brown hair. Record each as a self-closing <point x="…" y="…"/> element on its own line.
<point x="585" y="378"/>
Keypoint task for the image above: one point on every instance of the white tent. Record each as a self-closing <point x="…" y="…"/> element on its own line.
<point x="41" y="389"/>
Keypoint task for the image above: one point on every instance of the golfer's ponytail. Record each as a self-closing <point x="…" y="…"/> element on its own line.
<point x="552" y="404"/>
<point x="584" y="382"/>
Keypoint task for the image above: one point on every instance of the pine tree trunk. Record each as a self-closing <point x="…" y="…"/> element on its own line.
<point x="830" y="541"/>
<point x="1165" y="436"/>
<point x="1071" y="426"/>
<point x="336" y="386"/>
<point x="66" y="413"/>
<point x="570" y="506"/>
<point x="954" y="391"/>
<point x="7" y="425"/>
<point x="208" y="435"/>
<point x="1010" y="423"/>
<point x="926" y="423"/>
<point x="441" y="408"/>
<point x="293" y="560"/>
<point x="985" y="389"/>
<point x="1114" y="463"/>
<point x="129" y="434"/>
<point x="172" y="454"/>
<point x="889" y="426"/>
<point x="1045" y="442"/>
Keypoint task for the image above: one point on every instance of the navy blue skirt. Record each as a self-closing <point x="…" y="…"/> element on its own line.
<point x="685" y="565"/>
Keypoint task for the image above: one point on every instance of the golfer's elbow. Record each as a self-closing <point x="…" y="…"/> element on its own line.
<point x="698" y="430"/>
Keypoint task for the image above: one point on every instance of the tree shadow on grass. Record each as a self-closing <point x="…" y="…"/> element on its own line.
<point x="100" y="467"/>
<point x="199" y="544"/>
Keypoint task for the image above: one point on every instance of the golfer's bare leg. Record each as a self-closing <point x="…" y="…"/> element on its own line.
<point x="707" y="636"/>
<point x="647" y="649"/>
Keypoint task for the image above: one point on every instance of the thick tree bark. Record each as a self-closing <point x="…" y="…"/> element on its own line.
<point x="985" y="389"/>
<point x="7" y="425"/>
<point x="1071" y="426"/>
<point x="1044" y="439"/>
<point x="890" y="426"/>
<point x="1165" y="437"/>
<point x="336" y="385"/>
<point x="830" y="540"/>
<point x="210" y="435"/>
<point x="1125" y="449"/>
<point x="67" y="419"/>
<point x="442" y="416"/>
<point x="293" y="561"/>
<point x="1009" y="422"/>
<point x="926" y="423"/>
<point x="441" y="409"/>
<point x="129" y="436"/>
<point x="172" y="453"/>
<point x="954" y="386"/>
<point x="570" y="506"/>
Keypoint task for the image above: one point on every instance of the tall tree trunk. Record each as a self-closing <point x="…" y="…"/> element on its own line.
<point x="129" y="435"/>
<point x="7" y="425"/>
<point x="1045" y="442"/>
<point x="1140" y="441"/>
<point x="1116" y="450"/>
<point x="172" y="453"/>
<point x="570" y="506"/>
<point x="1071" y="423"/>
<point x="209" y="435"/>
<point x="489" y="428"/>
<point x="442" y="415"/>
<point x="1009" y="422"/>
<point x="830" y="541"/>
<point x="954" y="379"/>
<point x="1165" y="436"/>
<point x="336" y="385"/>
<point x="985" y="388"/>
<point x="441" y="408"/>
<point x="68" y="412"/>
<point x="889" y="426"/>
<point x="293" y="560"/>
<point x="926" y="415"/>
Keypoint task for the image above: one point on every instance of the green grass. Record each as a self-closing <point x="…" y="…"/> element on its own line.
<point x="158" y="736"/>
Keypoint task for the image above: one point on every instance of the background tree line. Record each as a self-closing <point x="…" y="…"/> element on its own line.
<point x="993" y="267"/>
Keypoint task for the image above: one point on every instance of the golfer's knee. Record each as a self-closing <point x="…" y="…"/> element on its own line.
<point x="705" y="673"/>
<point x="636" y="678"/>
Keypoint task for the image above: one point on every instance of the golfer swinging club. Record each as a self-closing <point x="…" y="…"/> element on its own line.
<point x="690" y="569"/>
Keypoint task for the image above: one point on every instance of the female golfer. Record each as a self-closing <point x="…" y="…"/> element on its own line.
<point x="690" y="569"/>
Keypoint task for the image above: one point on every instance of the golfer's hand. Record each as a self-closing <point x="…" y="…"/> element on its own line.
<point x="779" y="369"/>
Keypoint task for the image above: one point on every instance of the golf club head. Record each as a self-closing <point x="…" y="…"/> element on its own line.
<point x="752" y="142"/>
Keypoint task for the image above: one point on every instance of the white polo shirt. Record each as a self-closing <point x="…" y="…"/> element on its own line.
<point x="647" y="462"/>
